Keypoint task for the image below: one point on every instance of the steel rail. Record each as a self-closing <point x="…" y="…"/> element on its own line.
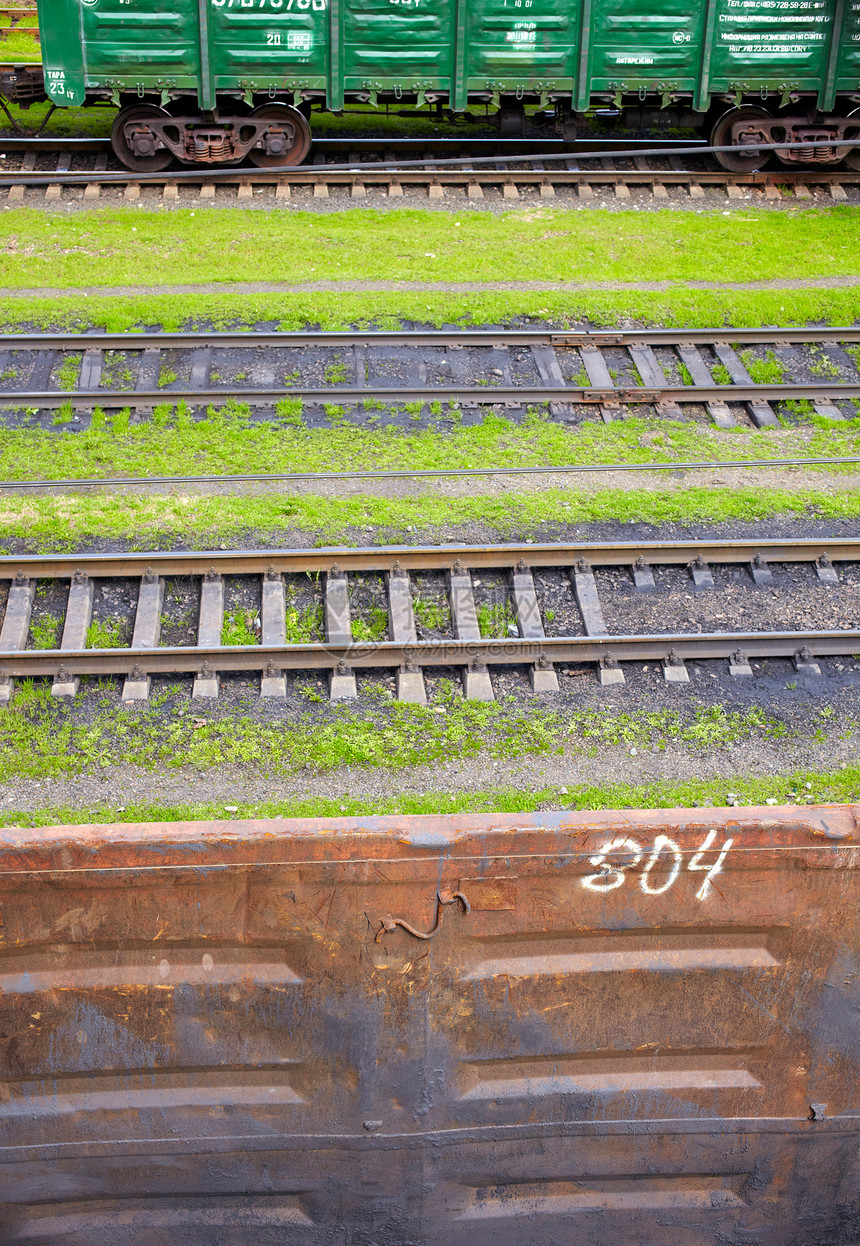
<point x="467" y="396"/>
<point x="440" y="164"/>
<point x="137" y="482"/>
<point x="387" y="654"/>
<point x="377" y="175"/>
<point x="333" y="559"/>
<point x="767" y="335"/>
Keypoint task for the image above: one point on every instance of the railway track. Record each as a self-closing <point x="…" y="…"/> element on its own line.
<point x="22" y="21"/>
<point x="356" y="167"/>
<point x="600" y="580"/>
<point x="704" y="373"/>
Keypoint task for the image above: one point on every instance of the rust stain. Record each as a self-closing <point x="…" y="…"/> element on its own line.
<point x="613" y="997"/>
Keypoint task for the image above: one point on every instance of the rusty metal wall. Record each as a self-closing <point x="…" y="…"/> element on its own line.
<point x="627" y="1028"/>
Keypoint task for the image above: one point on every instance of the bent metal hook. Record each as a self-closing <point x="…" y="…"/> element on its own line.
<point x="442" y="898"/>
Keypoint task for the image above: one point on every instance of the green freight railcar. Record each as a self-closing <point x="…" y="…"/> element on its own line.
<point x="215" y="81"/>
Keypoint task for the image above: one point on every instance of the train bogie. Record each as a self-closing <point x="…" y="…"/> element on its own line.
<point x="216" y="81"/>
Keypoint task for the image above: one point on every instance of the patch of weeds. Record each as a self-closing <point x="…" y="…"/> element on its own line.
<point x="580" y="381"/>
<point x="335" y="373"/>
<point x="720" y="373"/>
<point x="309" y="693"/>
<point x="304" y="626"/>
<point x="68" y="372"/>
<point x="166" y="376"/>
<point x="800" y="407"/>
<point x="373" y="629"/>
<point x="120" y="422"/>
<point x="292" y="378"/>
<point x="63" y="414"/>
<point x="334" y="414"/>
<point x="290" y="411"/>
<point x="822" y="365"/>
<point x="241" y="627"/>
<point x="495" y="619"/>
<point x="413" y="409"/>
<point x="104" y="634"/>
<point x="684" y="373"/>
<point x="435" y="408"/>
<point x="432" y="613"/>
<point x="45" y="632"/>
<point x="116" y="373"/>
<point x="767" y="371"/>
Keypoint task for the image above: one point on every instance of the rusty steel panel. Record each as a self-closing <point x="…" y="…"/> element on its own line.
<point x="611" y="1028"/>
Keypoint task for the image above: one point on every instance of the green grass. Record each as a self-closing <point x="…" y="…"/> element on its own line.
<point x="305" y="626"/>
<point x="823" y="366"/>
<point x="545" y="244"/>
<point x="495" y="619"/>
<point x="104" y="634"/>
<point x="55" y="523"/>
<point x="45" y="632"/>
<point x="240" y="627"/>
<point x="767" y="371"/>
<point x="225" y="442"/>
<point x="839" y="786"/>
<point x="20" y="49"/>
<point x="335" y="373"/>
<point x="40" y="737"/>
<point x="431" y="612"/>
<point x="678" y="306"/>
<point x="68" y="372"/>
<point x="372" y="629"/>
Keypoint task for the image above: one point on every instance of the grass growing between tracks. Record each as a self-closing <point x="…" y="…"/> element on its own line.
<point x="41" y="737"/>
<point x="226" y="442"/>
<point x="67" y="523"/>
<point x="325" y="309"/>
<point x="799" y="786"/>
<point x="138" y="247"/>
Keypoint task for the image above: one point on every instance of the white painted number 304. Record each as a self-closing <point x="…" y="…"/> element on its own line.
<point x="665" y="854"/>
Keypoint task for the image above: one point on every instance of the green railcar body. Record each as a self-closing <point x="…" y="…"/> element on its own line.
<point x="456" y="51"/>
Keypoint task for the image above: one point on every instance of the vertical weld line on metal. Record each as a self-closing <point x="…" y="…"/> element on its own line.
<point x="335" y="59"/>
<point x="707" y="43"/>
<point x="827" y="94"/>
<point x="583" y="85"/>
<point x="207" y="85"/>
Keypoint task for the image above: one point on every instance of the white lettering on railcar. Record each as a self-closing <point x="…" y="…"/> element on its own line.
<point x="634" y="60"/>
<point x="57" y="82"/>
<point x="628" y="853"/>
<point x="318" y="6"/>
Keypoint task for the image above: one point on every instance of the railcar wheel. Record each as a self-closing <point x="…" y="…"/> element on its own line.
<point x="852" y="160"/>
<point x="288" y="140"/>
<point x="747" y="160"/>
<point x="160" y="158"/>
